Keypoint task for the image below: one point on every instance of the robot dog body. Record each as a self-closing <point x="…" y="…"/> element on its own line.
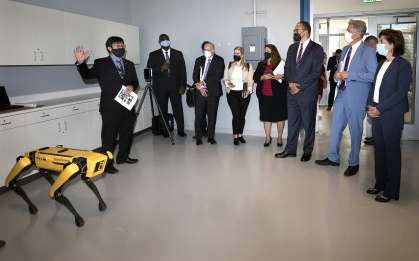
<point x="71" y="163"/>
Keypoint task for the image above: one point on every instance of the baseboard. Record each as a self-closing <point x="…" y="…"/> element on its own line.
<point x="258" y="133"/>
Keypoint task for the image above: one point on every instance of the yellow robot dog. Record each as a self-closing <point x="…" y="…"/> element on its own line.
<point x="71" y="163"/>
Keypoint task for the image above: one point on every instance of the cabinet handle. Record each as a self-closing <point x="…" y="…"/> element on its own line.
<point x="46" y="115"/>
<point x="93" y="56"/>
<point x="76" y="109"/>
<point x="6" y="123"/>
<point x="42" y="56"/>
<point x="34" y="54"/>
<point x="59" y="127"/>
<point x="65" y="124"/>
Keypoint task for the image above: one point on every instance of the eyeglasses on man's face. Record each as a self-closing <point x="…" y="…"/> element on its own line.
<point x="119" y="46"/>
<point x="296" y="30"/>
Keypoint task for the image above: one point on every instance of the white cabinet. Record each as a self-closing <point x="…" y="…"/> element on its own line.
<point x="76" y="33"/>
<point x="75" y="131"/>
<point x="18" y="33"/>
<point x="13" y="142"/>
<point x="116" y="29"/>
<point x="50" y="36"/>
<point x="132" y="41"/>
<point x="44" y="134"/>
<point x="98" y="34"/>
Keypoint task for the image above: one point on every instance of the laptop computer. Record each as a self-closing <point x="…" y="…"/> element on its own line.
<point x="5" y="102"/>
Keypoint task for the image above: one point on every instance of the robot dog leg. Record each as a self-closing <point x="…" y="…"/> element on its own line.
<point x="22" y="164"/>
<point x="70" y="172"/>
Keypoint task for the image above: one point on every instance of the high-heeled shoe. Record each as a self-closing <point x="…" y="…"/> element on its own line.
<point x="267" y="144"/>
<point x="236" y="142"/>
<point x="279" y="144"/>
<point x="373" y="191"/>
<point x="241" y="139"/>
<point x="379" y="198"/>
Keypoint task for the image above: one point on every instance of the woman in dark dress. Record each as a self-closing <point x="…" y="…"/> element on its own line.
<point x="271" y="91"/>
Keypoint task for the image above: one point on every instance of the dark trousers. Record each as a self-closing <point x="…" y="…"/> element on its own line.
<point x="210" y="105"/>
<point x="176" y="101"/>
<point x="333" y="85"/>
<point x="118" y="122"/>
<point x="388" y="159"/>
<point x="301" y="111"/>
<point x="238" y="106"/>
<point x="204" y="122"/>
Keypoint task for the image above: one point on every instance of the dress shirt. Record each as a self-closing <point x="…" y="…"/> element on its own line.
<point x="237" y="79"/>
<point x="380" y="75"/>
<point x="203" y="70"/>
<point x="304" y="48"/>
<point x="164" y="52"/>
<point x="115" y="61"/>
<point x="354" y="48"/>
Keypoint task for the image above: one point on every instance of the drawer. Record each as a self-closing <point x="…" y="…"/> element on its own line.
<point x="73" y="109"/>
<point x="12" y="122"/>
<point x="44" y="115"/>
<point x="93" y="105"/>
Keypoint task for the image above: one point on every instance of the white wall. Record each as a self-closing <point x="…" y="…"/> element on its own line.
<point x="189" y="23"/>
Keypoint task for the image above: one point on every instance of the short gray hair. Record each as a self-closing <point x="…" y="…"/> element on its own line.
<point x="359" y="26"/>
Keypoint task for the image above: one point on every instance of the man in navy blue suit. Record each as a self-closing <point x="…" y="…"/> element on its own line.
<point x="302" y="71"/>
<point x="355" y="75"/>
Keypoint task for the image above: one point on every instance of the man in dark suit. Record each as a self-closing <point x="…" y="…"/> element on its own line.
<point x="112" y="72"/>
<point x="206" y="74"/>
<point x="169" y="81"/>
<point x="303" y="67"/>
<point x="332" y="66"/>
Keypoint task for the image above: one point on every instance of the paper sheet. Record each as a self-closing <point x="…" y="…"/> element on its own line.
<point x="280" y="69"/>
<point x="126" y="101"/>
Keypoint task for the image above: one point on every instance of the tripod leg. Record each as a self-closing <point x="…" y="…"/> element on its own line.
<point x="161" y="116"/>
<point x="92" y="186"/>
<point x="63" y="200"/>
<point x="141" y="101"/>
<point x="47" y="176"/>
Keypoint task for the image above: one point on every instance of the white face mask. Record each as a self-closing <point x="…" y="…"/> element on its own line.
<point x="207" y="54"/>
<point x="348" y="37"/>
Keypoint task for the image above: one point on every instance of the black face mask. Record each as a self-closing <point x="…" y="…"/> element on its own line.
<point x="297" y="37"/>
<point x="237" y="58"/>
<point x="267" y="55"/>
<point x="118" y="52"/>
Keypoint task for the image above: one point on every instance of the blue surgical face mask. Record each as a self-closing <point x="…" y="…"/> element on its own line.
<point x="381" y="49"/>
<point x="165" y="43"/>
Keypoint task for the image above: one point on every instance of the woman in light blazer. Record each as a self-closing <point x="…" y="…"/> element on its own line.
<point x="387" y="103"/>
<point x="238" y="79"/>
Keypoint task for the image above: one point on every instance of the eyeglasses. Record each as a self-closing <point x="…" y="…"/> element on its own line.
<point x="119" y="45"/>
<point x="296" y="30"/>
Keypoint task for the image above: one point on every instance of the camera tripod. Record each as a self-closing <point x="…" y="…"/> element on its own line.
<point x="149" y="88"/>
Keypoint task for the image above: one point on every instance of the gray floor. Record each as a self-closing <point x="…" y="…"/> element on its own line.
<point x="221" y="202"/>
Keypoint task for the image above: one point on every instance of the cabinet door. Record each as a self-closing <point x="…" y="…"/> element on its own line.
<point x="18" y="30"/>
<point x="76" y="33"/>
<point x="13" y="143"/>
<point x="132" y="41"/>
<point x="50" y="36"/>
<point x="117" y="29"/>
<point x="44" y="134"/>
<point x="95" y="129"/>
<point x="147" y="115"/>
<point x="98" y="34"/>
<point x="75" y="130"/>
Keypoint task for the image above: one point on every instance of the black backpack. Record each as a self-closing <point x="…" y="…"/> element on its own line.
<point x="190" y="95"/>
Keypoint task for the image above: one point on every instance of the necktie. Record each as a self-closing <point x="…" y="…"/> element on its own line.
<point x="299" y="56"/>
<point x="168" y="60"/>
<point x="348" y="57"/>
<point x="206" y="69"/>
<point x="120" y="70"/>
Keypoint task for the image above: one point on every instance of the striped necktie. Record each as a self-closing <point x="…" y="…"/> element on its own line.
<point x="348" y="57"/>
<point x="168" y="61"/>
<point x="120" y="69"/>
<point x="299" y="56"/>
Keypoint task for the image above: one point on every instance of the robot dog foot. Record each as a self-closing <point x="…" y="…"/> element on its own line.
<point x="63" y="200"/>
<point x="32" y="208"/>
<point x="92" y="186"/>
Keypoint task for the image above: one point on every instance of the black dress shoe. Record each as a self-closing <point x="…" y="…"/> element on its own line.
<point x="241" y="139"/>
<point x="326" y="162"/>
<point x="285" y="154"/>
<point x="165" y="135"/>
<point x="181" y="133"/>
<point x="127" y="161"/>
<point x="373" y="191"/>
<point x="351" y="170"/>
<point x="369" y="142"/>
<point x="306" y="157"/>
<point x="199" y="142"/>
<point x="368" y="138"/>
<point x="212" y="141"/>
<point x="267" y="144"/>
<point x="110" y="169"/>
<point x="236" y="142"/>
<point x="379" y="198"/>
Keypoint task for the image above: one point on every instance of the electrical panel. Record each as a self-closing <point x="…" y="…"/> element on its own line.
<point x="254" y="40"/>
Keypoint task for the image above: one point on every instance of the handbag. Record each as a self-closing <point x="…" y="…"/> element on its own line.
<point x="190" y="95"/>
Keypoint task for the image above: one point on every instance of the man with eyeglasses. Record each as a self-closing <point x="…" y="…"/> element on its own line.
<point x="112" y="72"/>
<point x="302" y="71"/>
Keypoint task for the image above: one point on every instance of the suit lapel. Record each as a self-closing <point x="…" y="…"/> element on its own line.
<point x="391" y="67"/>
<point x="358" y="53"/>
<point x="306" y="51"/>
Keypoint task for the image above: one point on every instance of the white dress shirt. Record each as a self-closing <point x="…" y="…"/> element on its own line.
<point x="354" y="48"/>
<point x="237" y="79"/>
<point x="304" y="48"/>
<point x="164" y="52"/>
<point x="380" y="75"/>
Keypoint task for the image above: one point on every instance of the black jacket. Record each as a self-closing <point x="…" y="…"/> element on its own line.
<point x="161" y="81"/>
<point x="214" y="74"/>
<point x="109" y="80"/>
<point x="331" y="67"/>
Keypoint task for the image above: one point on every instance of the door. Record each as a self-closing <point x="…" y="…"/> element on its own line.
<point x="75" y="130"/>
<point x="98" y="34"/>
<point x="44" y="134"/>
<point x="324" y="42"/>
<point x="132" y="41"/>
<point x="76" y="33"/>
<point x="14" y="144"/>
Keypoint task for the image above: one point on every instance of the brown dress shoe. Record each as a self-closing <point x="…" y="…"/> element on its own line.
<point x="205" y="134"/>
<point x="2" y="243"/>
<point x="329" y="108"/>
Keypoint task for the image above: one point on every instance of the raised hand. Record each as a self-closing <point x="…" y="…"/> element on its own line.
<point x="80" y="55"/>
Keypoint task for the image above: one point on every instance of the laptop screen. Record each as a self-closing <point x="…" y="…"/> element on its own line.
<point x="4" y="99"/>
